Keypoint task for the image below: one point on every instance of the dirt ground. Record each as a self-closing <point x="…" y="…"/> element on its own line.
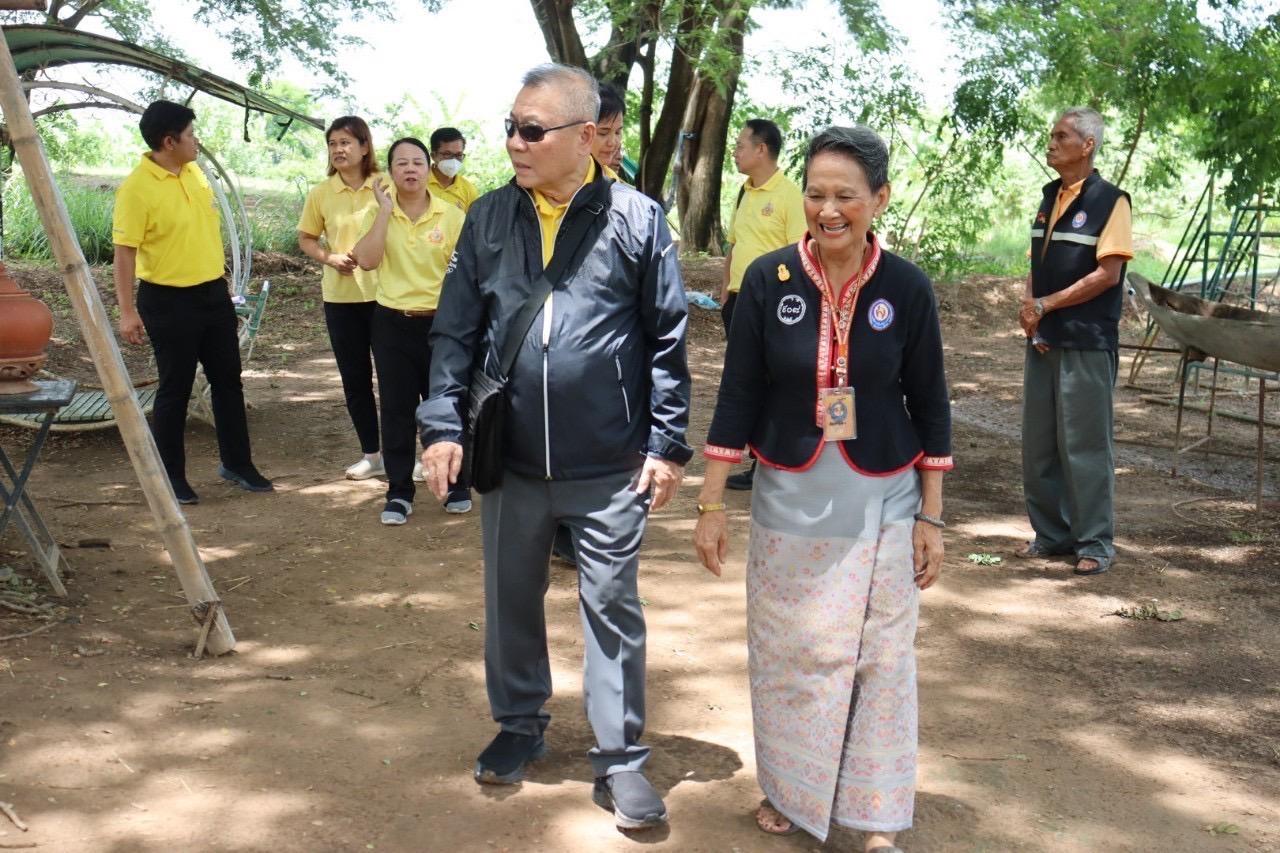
<point x="349" y="717"/>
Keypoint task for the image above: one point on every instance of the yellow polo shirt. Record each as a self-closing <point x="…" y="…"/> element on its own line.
<point x="336" y="212"/>
<point x="461" y="193"/>
<point x="416" y="255"/>
<point x="173" y="222"/>
<point x="550" y="214"/>
<point x="1116" y="238"/>
<point x="770" y="216"/>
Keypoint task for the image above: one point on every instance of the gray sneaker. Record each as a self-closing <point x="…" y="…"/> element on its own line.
<point x="631" y="798"/>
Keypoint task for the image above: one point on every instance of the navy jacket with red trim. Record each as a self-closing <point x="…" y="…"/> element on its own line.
<point x="769" y="387"/>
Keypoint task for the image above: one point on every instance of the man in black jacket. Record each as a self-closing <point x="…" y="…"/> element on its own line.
<point x="597" y="406"/>
<point x="1080" y="242"/>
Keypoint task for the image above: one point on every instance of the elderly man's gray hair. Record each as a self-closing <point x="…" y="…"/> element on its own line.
<point x="1088" y="123"/>
<point x="580" y="90"/>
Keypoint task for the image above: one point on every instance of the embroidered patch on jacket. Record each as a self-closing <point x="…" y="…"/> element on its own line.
<point x="791" y="309"/>
<point x="1041" y="218"/>
<point x="880" y="315"/>
<point x="784" y="274"/>
<point x="1079" y="219"/>
<point x="767" y="210"/>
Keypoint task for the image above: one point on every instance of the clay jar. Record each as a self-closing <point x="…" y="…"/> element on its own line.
<point x="25" y="326"/>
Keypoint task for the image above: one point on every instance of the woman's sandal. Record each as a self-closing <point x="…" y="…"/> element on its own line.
<point x="764" y="822"/>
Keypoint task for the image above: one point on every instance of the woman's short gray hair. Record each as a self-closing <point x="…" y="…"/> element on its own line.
<point x="1088" y="123"/>
<point x="580" y="90"/>
<point x="860" y="144"/>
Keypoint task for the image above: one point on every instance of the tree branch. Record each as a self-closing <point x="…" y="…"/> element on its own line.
<point x="1133" y="146"/>
<point x="72" y="21"/>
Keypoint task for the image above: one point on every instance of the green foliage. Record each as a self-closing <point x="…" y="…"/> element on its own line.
<point x="89" y="206"/>
<point x="259" y="33"/>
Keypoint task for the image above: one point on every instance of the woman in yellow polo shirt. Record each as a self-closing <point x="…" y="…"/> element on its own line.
<point x="335" y="210"/>
<point x="408" y="238"/>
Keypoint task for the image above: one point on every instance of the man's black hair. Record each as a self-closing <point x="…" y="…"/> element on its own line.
<point x="164" y="119"/>
<point x="763" y="130"/>
<point x="445" y="135"/>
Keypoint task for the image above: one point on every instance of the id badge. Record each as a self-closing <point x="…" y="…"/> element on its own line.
<point x="841" y="423"/>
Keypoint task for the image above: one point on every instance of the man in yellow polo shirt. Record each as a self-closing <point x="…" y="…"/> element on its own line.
<point x="167" y="235"/>
<point x="448" y="151"/>
<point x="769" y="214"/>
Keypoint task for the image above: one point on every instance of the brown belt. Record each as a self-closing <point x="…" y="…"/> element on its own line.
<point x="413" y="312"/>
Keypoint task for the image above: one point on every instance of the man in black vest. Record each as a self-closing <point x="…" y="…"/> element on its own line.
<point x="1081" y="240"/>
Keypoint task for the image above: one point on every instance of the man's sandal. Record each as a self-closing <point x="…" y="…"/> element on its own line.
<point x="884" y="849"/>
<point x="1101" y="564"/>
<point x="771" y="825"/>
<point x="1036" y="551"/>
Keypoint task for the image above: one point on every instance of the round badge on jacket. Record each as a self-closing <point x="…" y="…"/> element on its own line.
<point x="791" y="309"/>
<point x="1079" y="219"/>
<point x="880" y="315"/>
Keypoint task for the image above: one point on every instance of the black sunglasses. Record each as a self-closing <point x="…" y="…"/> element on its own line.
<point x="534" y="132"/>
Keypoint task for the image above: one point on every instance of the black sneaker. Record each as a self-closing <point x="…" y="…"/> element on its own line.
<point x="248" y="479"/>
<point x="741" y="482"/>
<point x="184" y="493"/>
<point x="631" y="798"/>
<point x="505" y="758"/>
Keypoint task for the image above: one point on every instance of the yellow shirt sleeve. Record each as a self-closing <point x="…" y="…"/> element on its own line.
<point x="794" y="212"/>
<point x="129" y="218"/>
<point x="312" y="220"/>
<point x="732" y="234"/>
<point x="1116" y="239"/>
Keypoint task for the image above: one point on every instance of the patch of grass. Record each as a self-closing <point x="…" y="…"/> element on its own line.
<point x="90" y="210"/>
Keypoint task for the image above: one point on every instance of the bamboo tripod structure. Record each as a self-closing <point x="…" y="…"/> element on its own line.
<point x="215" y="633"/>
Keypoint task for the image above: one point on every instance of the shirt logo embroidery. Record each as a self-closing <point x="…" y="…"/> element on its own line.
<point x="880" y="315"/>
<point x="436" y="236"/>
<point x="1079" y="219"/>
<point x="767" y="210"/>
<point x="791" y="309"/>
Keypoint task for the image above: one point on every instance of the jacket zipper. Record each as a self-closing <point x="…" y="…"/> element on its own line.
<point x="626" y="403"/>
<point x="547" y="308"/>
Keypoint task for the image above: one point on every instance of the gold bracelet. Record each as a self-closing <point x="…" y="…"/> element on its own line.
<point x="704" y="508"/>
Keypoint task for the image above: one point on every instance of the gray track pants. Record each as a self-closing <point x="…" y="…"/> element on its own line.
<point x="1068" y="469"/>
<point x="606" y="519"/>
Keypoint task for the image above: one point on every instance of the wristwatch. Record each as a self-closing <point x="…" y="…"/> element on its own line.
<point x="704" y="508"/>
<point x="1038" y="307"/>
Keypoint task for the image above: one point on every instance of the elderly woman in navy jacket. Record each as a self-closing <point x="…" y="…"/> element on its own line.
<point x="834" y="378"/>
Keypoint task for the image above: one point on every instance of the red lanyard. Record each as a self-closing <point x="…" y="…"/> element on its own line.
<point x="836" y="324"/>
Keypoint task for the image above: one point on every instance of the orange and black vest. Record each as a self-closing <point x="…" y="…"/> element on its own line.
<point x="1067" y="254"/>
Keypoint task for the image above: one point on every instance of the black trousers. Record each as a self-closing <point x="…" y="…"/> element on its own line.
<point x="402" y="354"/>
<point x="726" y="311"/>
<point x="350" y="327"/>
<point x="187" y="325"/>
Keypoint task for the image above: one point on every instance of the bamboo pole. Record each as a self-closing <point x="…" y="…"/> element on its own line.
<point x="96" y="327"/>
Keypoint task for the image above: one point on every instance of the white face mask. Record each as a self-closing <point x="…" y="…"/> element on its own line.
<point x="449" y="168"/>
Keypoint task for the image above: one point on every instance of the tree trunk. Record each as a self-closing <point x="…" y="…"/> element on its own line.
<point x="555" y="19"/>
<point x="657" y="158"/>
<point x="708" y="118"/>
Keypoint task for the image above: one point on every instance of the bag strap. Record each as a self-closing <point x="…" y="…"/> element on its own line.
<point x="576" y="229"/>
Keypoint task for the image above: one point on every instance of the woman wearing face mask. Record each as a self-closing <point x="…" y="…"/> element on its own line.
<point x="334" y="210"/>
<point x="408" y="238"/>
<point x="448" y="151"/>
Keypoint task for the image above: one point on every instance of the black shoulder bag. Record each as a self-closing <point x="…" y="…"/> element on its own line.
<point x="482" y="438"/>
